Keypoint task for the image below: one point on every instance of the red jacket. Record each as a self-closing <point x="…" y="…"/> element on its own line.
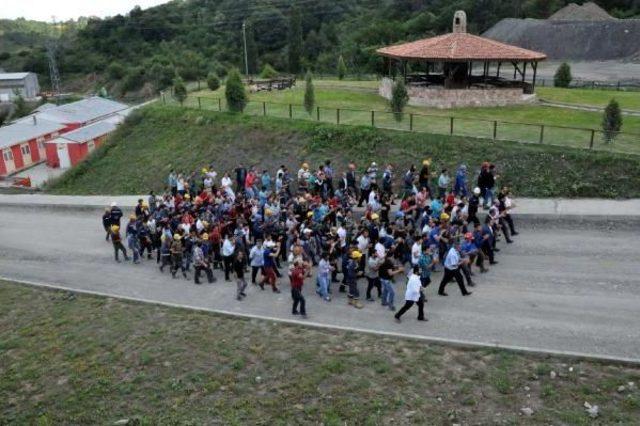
<point x="297" y="278"/>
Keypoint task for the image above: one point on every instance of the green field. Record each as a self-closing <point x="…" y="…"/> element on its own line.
<point x="75" y="359"/>
<point x="356" y="100"/>
<point x="600" y="98"/>
<point x="139" y="156"/>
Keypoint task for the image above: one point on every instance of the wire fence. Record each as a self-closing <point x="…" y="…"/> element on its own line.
<point x="575" y="137"/>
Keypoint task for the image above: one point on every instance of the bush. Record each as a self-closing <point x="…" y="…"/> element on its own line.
<point x="342" y="68"/>
<point x="4" y="56"/>
<point x="309" y="93"/>
<point x="234" y="92"/>
<point x="268" y="72"/>
<point x="115" y="71"/>
<point x="179" y="90"/>
<point x="399" y="99"/>
<point x="612" y="121"/>
<point x="562" y="77"/>
<point x="134" y="79"/>
<point x="213" y="82"/>
<point x="162" y="75"/>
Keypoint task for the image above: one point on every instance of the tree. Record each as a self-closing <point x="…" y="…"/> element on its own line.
<point x="295" y="41"/>
<point x="268" y="72"/>
<point x="562" y="77"/>
<point x="234" y="92"/>
<point x="612" y="121"/>
<point x="213" y="82"/>
<point x="342" y="68"/>
<point x="252" y="50"/>
<point x="309" y="93"/>
<point x="399" y="99"/>
<point x="21" y="107"/>
<point x="179" y="90"/>
<point x="116" y="71"/>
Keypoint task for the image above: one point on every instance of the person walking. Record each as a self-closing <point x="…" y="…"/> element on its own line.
<point x="324" y="276"/>
<point x="256" y="259"/>
<point x="452" y="264"/>
<point x="387" y="271"/>
<point x="132" y="238"/>
<point x="373" y="265"/>
<point x="413" y="295"/>
<point x="200" y="264"/>
<point x="117" y="243"/>
<point x="177" y="253"/>
<point x="239" y="265"/>
<point x="106" y="223"/>
<point x="228" y="248"/>
<point x="297" y="281"/>
<point x="352" y="279"/>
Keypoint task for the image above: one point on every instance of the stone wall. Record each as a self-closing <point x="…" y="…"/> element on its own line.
<point x="439" y="97"/>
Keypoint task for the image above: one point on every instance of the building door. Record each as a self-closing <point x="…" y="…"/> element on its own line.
<point x="7" y="156"/>
<point x="63" y="156"/>
<point x="41" y="149"/>
<point x="26" y="154"/>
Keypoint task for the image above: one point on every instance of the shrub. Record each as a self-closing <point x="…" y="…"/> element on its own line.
<point x="612" y="121"/>
<point x="562" y="77"/>
<point x="4" y="56"/>
<point x="115" y="71"/>
<point x="309" y="93"/>
<point x="399" y="99"/>
<point x="268" y="72"/>
<point x="234" y="92"/>
<point x="133" y="80"/>
<point x="342" y="68"/>
<point x="179" y="90"/>
<point x="213" y="82"/>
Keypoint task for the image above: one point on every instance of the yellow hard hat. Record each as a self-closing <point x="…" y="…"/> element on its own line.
<point x="268" y="212"/>
<point x="426" y="162"/>
<point x="356" y="254"/>
<point x="187" y="196"/>
<point x="309" y="213"/>
<point x="177" y="237"/>
<point x="204" y="170"/>
<point x="375" y="216"/>
<point x="444" y="216"/>
<point x="115" y="228"/>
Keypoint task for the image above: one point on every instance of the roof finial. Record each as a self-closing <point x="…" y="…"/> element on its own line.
<point x="460" y="22"/>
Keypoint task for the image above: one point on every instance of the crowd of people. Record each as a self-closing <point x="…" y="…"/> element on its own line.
<point x="335" y="230"/>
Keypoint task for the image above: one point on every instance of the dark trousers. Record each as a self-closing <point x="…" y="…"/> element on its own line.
<point x="509" y="221"/>
<point x="228" y="264"/>
<point x="409" y="303"/>
<point x="108" y="231"/>
<point x="117" y="246"/>
<point x="207" y="270"/>
<point x="450" y="274"/>
<point x="364" y="196"/>
<point x="298" y="299"/>
<point x="177" y="263"/>
<point x="254" y="273"/>
<point x="487" y="249"/>
<point x="373" y="283"/>
<point x="353" y="289"/>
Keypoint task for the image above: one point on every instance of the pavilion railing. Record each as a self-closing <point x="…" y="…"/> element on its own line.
<point x="576" y="137"/>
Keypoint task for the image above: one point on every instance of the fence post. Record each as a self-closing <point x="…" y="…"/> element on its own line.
<point x="219" y="104"/>
<point x="318" y="113"/>
<point x="290" y="111"/>
<point x="541" y="133"/>
<point x="264" y="108"/>
<point x="199" y="103"/>
<point x="373" y="118"/>
<point x="411" y="122"/>
<point x="495" y="130"/>
<point x="593" y="135"/>
<point x="338" y="116"/>
<point x="451" y="125"/>
<point x="618" y="86"/>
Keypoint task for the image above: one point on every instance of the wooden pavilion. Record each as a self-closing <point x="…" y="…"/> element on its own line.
<point x="447" y="62"/>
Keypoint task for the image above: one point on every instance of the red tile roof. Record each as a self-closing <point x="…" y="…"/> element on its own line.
<point x="460" y="47"/>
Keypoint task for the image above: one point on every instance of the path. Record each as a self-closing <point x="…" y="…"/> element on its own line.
<point x="559" y="289"/>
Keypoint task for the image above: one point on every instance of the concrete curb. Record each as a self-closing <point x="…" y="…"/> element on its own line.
<point x="439" y="340"/>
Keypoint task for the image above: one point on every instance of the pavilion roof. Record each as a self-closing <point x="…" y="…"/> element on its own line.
<point x="460" y="47"/>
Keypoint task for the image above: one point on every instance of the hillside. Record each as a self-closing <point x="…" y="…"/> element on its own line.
<point x="155" y="140"/>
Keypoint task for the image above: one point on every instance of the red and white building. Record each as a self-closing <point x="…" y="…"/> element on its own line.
<point x="25" y="142"/>
<point x="70" y="148"/>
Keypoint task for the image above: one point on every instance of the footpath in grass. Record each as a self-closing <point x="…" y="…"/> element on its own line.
<point x="141" y="153"/>
<point x="77" y="359"/>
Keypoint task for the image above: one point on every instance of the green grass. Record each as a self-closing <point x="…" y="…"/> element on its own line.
<point x="94" y="360"/>
<point x="518" y="123"/>
<point x="139" y="156"/>
<point x="600" y="98"/>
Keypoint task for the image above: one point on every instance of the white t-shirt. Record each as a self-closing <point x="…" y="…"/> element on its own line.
<point x="380" y="250"/>
<point x="416" y="250"/>
<point x="413" y="288"/>
<point x="363" y="243"/>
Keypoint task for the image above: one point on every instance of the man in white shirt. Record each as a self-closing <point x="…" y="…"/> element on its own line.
<point x="452" y="263"/>
<point x="413" y="296"/>
<point x="363" y="247"/>
<point x="228" y="248"/>
<point x="416" y="251"/>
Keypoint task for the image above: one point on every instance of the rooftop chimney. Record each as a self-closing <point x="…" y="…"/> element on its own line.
<point x="460" y="22"/>
<point x="35" y="120"/>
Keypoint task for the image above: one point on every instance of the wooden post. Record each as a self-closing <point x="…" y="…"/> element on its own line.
<point x="541" y="133"/>
<point x="498" y="72"/>
<point x="593" y="135"/>
<point x="318" y="113"/>
<point x="290" y="111"/>
<point x="535" y="72"/>
<point x="524" y="72"/>
<point x="199" y="103"/>
<point x="451" y="125"/>
<point x="373" y="118"/>
<point x="618" y="86"/>
<point x="495" y="130"/>
<point x="338" y="116"/>
<point x="219" y="104"/>
<point x="411" y="122"/>
<point x="264" y="108"/>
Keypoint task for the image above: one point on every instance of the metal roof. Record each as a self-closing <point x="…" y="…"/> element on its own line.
<point x="25" y="131"/>
<point x="82" y="111"/>
<point x="86" y="133"/>
<point x="13" y="75"/>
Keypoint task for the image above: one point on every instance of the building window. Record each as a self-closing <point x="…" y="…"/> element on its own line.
<point x="7" y="155"/>
<point x="25" y="150"/>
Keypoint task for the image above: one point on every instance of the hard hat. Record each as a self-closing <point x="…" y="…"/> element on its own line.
<point x="268" y="212"/>
<point x="204" y="170"/>
<point x="476" y="191"/>
<point x="468" y="236"/>
<point x="187" y="196"/>
<point x="205" y="236"/>
<point x="113" y="204"/>
<point x="373" y="164"/>
<point x="115" y="228"/>
<point x="399" y="214"/>
<point x="177" y="237"/>
<point x="356" y="254"/>
<point x="426" y="162"/>
<point x="444" y="216"/>
<point x="305" y="165"/>
<point x="309" y="213"/>
<point x="375" y="216"/>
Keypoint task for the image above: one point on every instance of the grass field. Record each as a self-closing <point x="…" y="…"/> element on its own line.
<point x="519" y="123"/>
<point x="139" y="156"/>
<point x="75" y="359"/>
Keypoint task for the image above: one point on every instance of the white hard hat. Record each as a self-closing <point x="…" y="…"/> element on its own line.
<point x="373" y="163"/>
<point x="476" y="190"/>
<point x="113" y="204"/>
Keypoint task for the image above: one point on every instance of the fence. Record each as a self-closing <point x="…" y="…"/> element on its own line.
<point x="575" y="137"/>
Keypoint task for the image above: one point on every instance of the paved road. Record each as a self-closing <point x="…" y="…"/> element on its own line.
<point x="557" y="289"/>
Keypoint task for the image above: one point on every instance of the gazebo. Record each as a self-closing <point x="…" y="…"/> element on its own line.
<point x="439" y="71"/>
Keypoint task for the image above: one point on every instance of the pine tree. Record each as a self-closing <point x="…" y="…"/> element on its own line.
<point x="295" y="41"/>
<point x="309" y="93"/>
<point x="234" y="92"/>
<point x="268" y="72"/>
<point x="562" y="77"/>
<point x="611" y="121"/>
<point x="342" y="68"/>
<point x="213" y="82"/>
<point x="399" y="99"/>
<point x="179" y="90"/>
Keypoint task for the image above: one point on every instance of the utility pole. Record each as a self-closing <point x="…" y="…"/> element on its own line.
<point x="52" y="47"/>
<point x="246" y="56"/>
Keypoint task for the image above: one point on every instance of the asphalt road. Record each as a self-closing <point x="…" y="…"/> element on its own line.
<point x="561" y="287"/>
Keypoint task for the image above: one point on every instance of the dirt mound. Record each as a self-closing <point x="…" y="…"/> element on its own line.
<point x="586" y="12"/>
<point x="575" y="40"/>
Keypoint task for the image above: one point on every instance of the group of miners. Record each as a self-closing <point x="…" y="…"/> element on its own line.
<point x="315" y="223"/>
